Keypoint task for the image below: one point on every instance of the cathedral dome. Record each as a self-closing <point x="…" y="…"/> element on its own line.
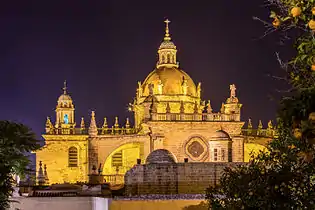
<point x="160" y="156"/>
<point x="172" y="80"/>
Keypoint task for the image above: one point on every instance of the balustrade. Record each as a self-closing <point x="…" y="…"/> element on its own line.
<point x="114" y="178"/>
<point x="193" y="117"/>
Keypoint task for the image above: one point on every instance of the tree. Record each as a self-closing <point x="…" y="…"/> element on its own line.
<point x="283" y="177"/>
<point x="15" y="141"/>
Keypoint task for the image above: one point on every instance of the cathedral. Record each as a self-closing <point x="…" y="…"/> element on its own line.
<point x="169" y="115"/>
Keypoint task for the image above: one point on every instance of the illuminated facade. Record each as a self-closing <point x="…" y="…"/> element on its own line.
<point x="168" y="114"/>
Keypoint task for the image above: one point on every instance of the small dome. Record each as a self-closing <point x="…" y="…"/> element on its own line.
<point x="166" y="44"/>
<point x="172" y="79"/>
<point x="220" y="134"/>
<point x="65" y="100"/>
<point x="160" y="156"/>
<point x="64" y="97"/>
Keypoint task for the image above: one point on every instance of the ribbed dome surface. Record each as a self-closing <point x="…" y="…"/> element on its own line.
<point x="167" y="45"/>
<point x="64" y="97"/>
<point x="171" y="79"/>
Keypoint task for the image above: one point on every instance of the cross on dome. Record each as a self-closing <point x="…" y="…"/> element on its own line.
<point x="167" y="31"/>
<point x="64" y="87"/>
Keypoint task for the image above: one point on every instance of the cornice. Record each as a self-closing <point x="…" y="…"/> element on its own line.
<point x="65" y="137"/>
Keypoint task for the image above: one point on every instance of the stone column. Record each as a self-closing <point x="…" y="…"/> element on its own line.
<point x="238" y="149"/>
<point x="92" y="154"/>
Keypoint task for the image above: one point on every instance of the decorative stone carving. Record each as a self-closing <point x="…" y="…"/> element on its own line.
<point x="199" y="90"/>
<point x="196" y="148"/>
<point x="233" y="91"/>
<point x="160" y="87"/>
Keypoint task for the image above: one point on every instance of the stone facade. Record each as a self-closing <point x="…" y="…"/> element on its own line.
<point x="169" y="113"/>
<point x="173" y="178"/>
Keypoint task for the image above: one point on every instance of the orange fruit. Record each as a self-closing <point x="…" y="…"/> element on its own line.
<point x="296" y="11"/>
<point x="311" y="24"/>
<point x="276" y="22"/>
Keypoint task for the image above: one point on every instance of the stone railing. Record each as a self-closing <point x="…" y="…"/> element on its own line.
<point x="194" y="117"/>
<point x="269" y="133"/>
<point x="101" y="131"/>
<point x="117" y="131"/>
<point x="114" y="178"/>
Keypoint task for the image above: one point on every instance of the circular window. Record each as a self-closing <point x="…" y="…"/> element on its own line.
<point x="196" y="148"/>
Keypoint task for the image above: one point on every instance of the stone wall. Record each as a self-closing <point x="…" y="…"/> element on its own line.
<point x="158" y="204"/>
<point x="175" y="136"/>
<point x="60" y="203"/>
<point x="55" y="154"/>
<point x="176" y="178"/>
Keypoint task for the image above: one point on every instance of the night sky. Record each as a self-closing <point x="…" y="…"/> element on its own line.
<point x="102" y="48"/>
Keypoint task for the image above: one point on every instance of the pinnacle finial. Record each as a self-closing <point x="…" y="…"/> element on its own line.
<point x="48" y="122"/>
<point x="249" y="125"/>
<point x="260" y="125"/>
<point x="65" y="87"/>
<point x="167" y="31"/>
<point x="40" y="176"/>
<point x="82" y="124"/>
<point x="105" y="123"/>
<point x="46" y="174"/>
<point x="116" y="125"/>
<point x="209" y="108"/>
<point x="93" y="126"/>
<point x="127" y="123"/>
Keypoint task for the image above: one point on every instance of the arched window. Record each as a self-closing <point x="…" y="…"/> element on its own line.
<point x="66" y="119"/>
<point x="117" y="159"/>
<point x="73" y="157"/>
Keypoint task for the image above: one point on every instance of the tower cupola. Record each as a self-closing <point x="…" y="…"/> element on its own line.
<point x="65" y="110"/>
<point x="167" y="50"/>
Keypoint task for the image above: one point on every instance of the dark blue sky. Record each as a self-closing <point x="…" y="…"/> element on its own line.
<point x="102" y="48"/>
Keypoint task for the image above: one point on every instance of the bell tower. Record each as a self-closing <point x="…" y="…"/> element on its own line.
<point x="65" y="110"/>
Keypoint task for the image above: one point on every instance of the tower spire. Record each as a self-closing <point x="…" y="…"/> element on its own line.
<point x="167" y="31"/>
<point x="64" y="87"/>
<point x="93" y="127"/>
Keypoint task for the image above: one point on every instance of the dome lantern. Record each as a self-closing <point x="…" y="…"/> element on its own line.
<point x="65" y="109"/>
<point x="167" y="50"/>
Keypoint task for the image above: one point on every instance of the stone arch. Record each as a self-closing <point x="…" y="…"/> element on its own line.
<point x="163" y="58"/>
<point x="121" y="159"/>
<point x="252" y="148"/>
<point x="168" y="58"/>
